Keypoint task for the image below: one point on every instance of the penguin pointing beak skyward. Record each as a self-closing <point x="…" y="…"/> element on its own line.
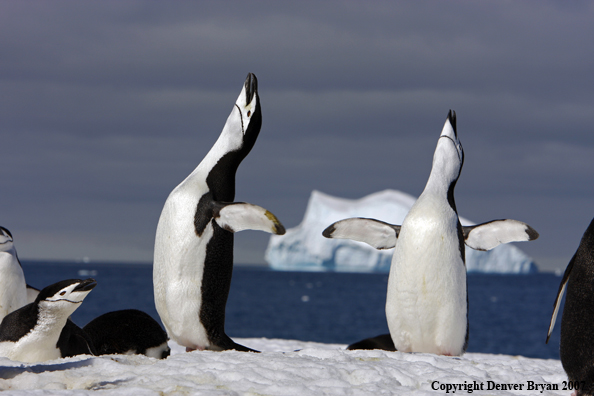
<point x="427" y="302"/>
<point x="193" y="260"/>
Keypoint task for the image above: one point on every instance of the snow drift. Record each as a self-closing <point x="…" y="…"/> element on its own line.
<point x="288" y="368"/>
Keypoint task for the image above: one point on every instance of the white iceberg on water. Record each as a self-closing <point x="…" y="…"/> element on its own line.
<point x="304" y="247"/>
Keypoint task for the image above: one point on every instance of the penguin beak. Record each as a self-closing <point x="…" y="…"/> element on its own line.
<point x="86" y="285"/>
<point x="449" y="129"/>
<point x="251" y="87"/>
<point x="452" y="119"/>
<point x="450" y="132"/>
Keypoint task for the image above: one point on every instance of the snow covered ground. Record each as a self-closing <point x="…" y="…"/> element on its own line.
<point x="315" y="369"/>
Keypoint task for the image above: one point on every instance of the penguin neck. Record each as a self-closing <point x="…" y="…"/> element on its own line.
<point x="219" y="168"/>
<point x="441" y="185"/>
<point x="51" y="320"/>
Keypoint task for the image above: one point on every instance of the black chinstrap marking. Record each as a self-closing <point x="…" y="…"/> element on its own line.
<point x="241" y="119"/>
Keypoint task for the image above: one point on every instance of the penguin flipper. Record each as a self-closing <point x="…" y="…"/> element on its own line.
<point x="239" y="216"/>
<point x="488" y="235"/>
<point x="560" y="293"/>
<point x="376" y="233"/>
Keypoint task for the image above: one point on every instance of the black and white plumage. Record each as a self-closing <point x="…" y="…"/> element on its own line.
<point x="13" y="289"/>
<point x="577" y="322"/>
<point x="34" y="333"/>
<point x="193" y="259"/>
<point x="128" y="332"/>
<point x="427" y="303"/>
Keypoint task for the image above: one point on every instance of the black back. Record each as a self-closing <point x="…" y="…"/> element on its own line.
<point x="19" y="323"/>
<point x="577" y="323"/>
<point x="74" y="341"/>
<point x="127" y="330"/>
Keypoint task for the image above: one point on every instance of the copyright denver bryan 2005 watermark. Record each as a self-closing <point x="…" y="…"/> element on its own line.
<point x="529" y="386"/>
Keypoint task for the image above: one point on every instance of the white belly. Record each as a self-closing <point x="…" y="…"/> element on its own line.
<point x="177" y="273"/>
<point x="28" y="352"/>
<point x="426" y="304"/>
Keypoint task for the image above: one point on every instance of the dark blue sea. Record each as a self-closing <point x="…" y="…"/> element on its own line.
<point x="509" y="314"/>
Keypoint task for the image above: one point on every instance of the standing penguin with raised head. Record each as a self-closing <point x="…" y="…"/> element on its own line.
<point x="577" y="323"/>
<point x="193" y="259"/>
<point x="34" y="333"/>
<point x="427" y="301"/>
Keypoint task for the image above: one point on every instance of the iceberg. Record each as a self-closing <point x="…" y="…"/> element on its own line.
<point x="303" y="248"/>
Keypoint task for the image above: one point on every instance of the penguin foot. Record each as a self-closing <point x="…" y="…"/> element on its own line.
<point x="383" y="342"/>
<point x="242" y="348"/>
<point x="226" y="344"/>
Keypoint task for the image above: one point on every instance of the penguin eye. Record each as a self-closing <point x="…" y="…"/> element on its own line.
<point x="62" y="293"/>
<point x="249" y="113"/>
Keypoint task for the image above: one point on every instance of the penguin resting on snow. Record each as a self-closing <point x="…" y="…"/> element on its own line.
<point x="34" y="333"/>
<point x="577" y="323"/>
<point x="193" y="257"/>
<point x="127" y="332"/>
<point x="427" y="301"/>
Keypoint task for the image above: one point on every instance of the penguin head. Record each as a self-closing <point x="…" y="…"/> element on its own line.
<point x="449" y="155"/>
<point x="243" y="125"/>
<point x="6" y="242"/>
<point x="65" y="295"/>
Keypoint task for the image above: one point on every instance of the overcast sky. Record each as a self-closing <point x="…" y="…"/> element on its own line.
<point x="105" y="106"/>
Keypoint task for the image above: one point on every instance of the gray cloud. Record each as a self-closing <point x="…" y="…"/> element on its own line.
<point x="106" y="106"/>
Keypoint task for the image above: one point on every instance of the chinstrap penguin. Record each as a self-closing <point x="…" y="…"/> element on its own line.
<point x="577" y="322"/>
<point x="13" y="289"/>
<point x="427" y="302"/>
<point x="34" y="333"/>
<point x="193" y="258"/>
<point x="128" y="332"/>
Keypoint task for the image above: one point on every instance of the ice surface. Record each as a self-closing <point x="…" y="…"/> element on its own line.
<point x="316" y="369"/>
<point x="304" y="247"/>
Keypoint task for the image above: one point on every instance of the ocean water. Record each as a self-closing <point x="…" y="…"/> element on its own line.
<point x="509" y="314"/>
